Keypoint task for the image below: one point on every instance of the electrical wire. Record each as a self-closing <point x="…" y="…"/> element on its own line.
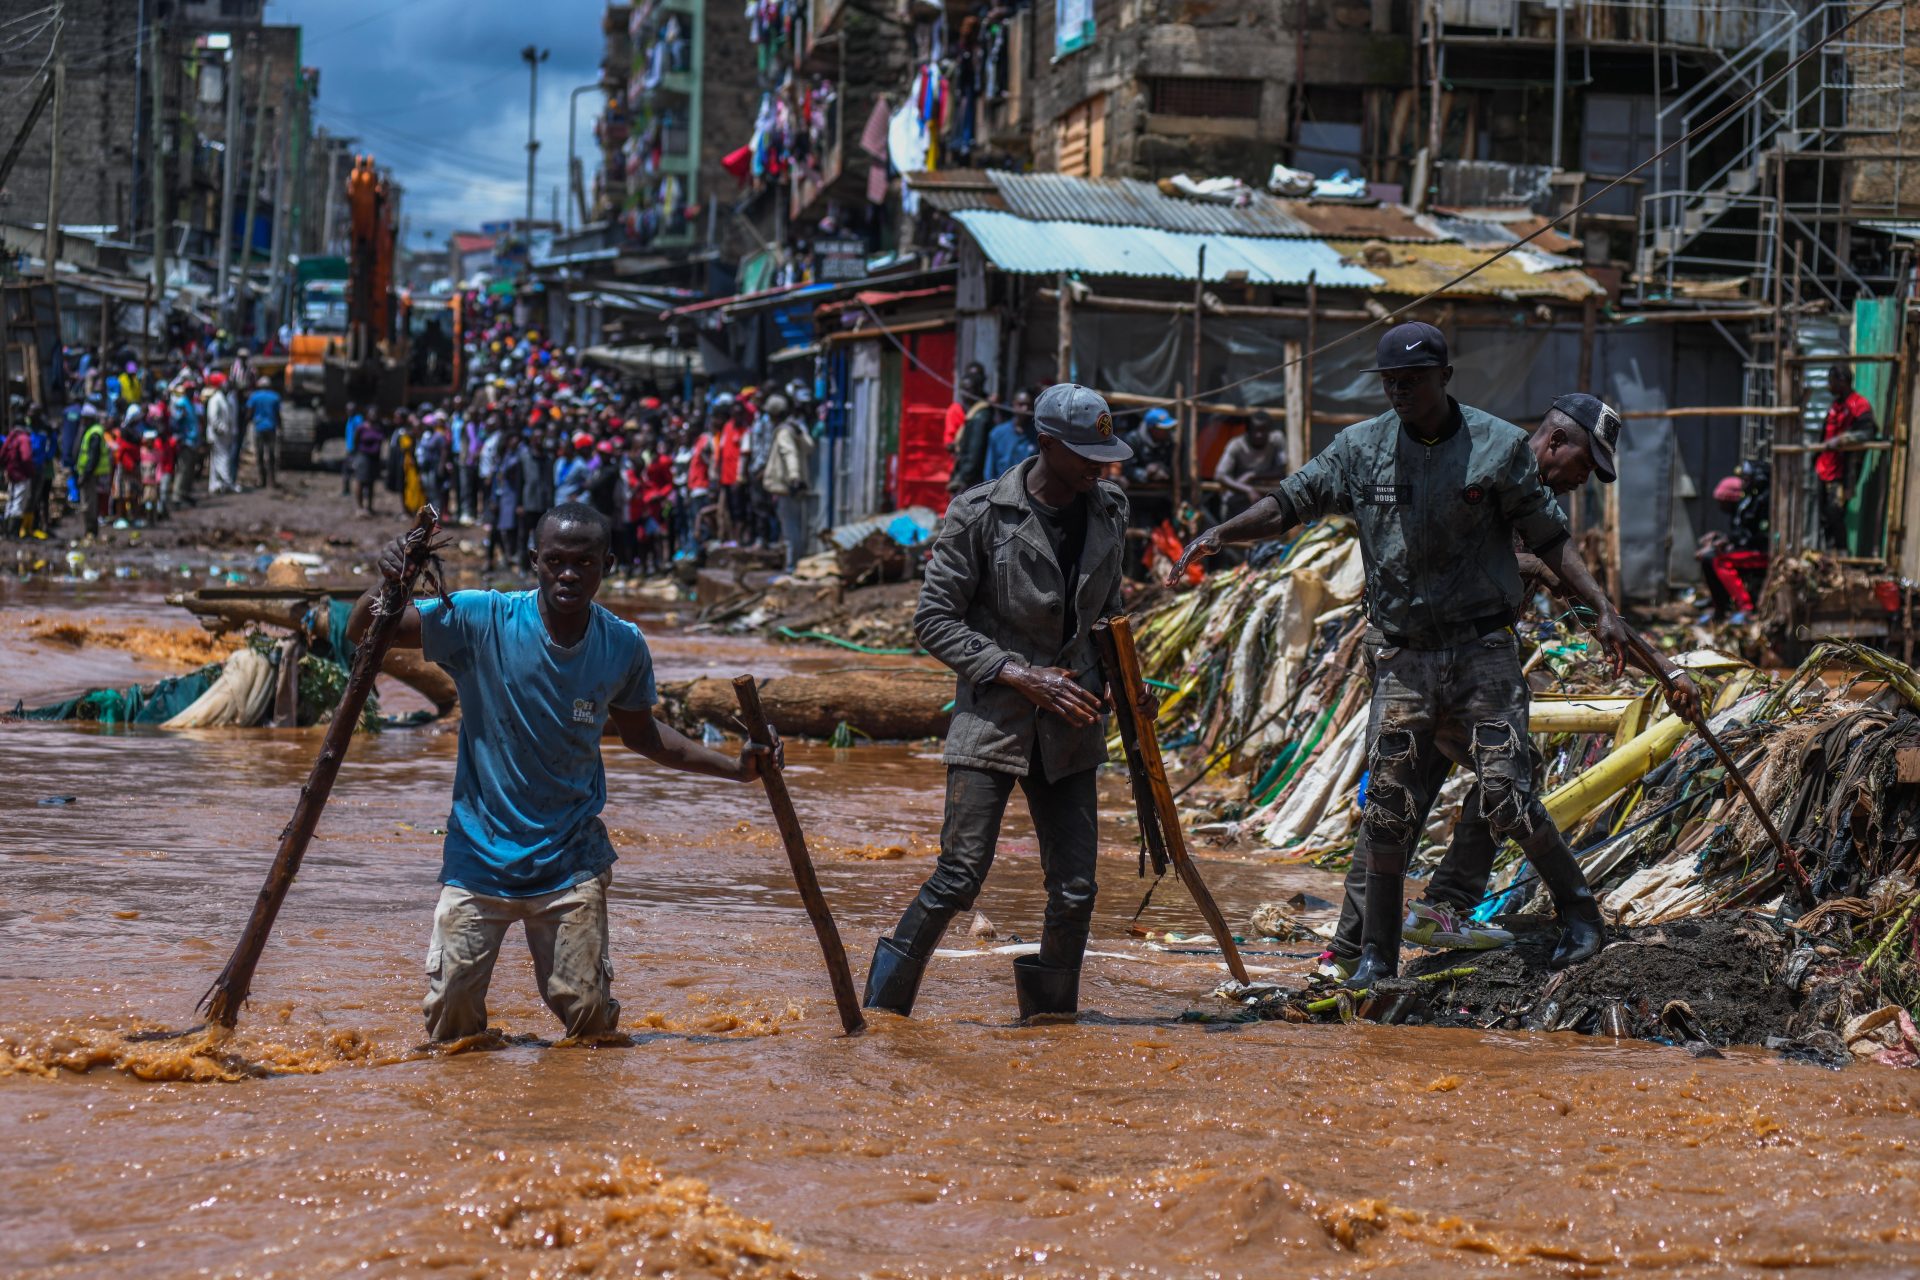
<point x="31" y="14"/>
<point x="427" y="146"/>
<point x="1756" y="92"/>
<point x="387" y="12"/>
<point x="27" y="86"/>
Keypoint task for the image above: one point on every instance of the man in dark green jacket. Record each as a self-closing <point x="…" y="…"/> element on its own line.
<point x="1438" y="492"/>
<point x="1022" y="570"/>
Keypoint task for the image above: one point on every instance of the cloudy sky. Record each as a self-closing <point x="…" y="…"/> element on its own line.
<point x="437" y="90"/>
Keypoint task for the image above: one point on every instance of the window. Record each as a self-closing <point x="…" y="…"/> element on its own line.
<point x="1072" y="26"/>
<point x="1204" y="96"/>
<point x="1080" y="139"/>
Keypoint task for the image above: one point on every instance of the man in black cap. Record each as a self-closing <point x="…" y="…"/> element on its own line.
<point x="1438" y="491"/>
<point x="1021" y="571"/>
<point x="1575" y="440"/>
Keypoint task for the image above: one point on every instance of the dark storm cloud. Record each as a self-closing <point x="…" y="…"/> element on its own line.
<point x="437" y="90"/>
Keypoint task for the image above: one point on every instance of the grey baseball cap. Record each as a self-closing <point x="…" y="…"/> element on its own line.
<point x="1602" y="424"/>
<point x="1079" y="418"/>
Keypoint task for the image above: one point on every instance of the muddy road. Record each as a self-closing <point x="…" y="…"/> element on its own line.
<point x="738" y="1133"/>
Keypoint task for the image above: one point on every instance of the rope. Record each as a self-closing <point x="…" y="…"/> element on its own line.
<point x="791" y="634"/>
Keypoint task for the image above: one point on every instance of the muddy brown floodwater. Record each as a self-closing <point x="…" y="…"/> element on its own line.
<point x="739" y="1133"/>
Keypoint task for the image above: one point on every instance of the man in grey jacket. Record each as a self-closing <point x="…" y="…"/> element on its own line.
<point x="1438" y="492"/>
<point x="1023" y="568"/>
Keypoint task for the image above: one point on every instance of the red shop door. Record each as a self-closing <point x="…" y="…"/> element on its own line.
<point x="925" y="463"/>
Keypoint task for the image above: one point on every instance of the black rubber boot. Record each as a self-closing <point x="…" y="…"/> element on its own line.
<point x="1380" y="951"/>
<point x="894" y="979"/>
<point x="1582" y="930"/>
<point x="1042" y="989"/>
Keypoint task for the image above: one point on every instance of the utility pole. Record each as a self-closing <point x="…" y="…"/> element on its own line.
<point x="533" y="58"/>
<point x="50" y="241"/>
<point x="162" y="215"/>
<point x="281" y="199"/>
<point x="1559" y="76"/>
<point x="253" y="173"/>
<point x="574" y="181"/>
<point x="228" y="163"/>
<point x="334" y="147"/>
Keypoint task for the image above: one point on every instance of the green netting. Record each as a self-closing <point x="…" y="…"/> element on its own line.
<point x="135" y="704"/>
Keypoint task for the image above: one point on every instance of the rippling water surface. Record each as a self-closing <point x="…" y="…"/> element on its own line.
<point x="739" y="1133"/>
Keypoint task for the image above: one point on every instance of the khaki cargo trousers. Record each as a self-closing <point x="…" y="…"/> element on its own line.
<point x="567" y="934"/>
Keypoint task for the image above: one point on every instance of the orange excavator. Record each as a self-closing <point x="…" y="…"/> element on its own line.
<point x="392" y="350"/>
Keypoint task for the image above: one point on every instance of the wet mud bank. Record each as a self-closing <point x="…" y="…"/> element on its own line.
<point x="1734" y="980"/>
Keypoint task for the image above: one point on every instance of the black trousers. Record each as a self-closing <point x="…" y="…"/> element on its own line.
<point x="1833" y="516"/>
<point x="1066" y="822"/>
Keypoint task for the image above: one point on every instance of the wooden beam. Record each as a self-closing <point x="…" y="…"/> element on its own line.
<point x="1234" y="311"/>
<point x="1718" y="411"/>
<point x="1869" y="357"/>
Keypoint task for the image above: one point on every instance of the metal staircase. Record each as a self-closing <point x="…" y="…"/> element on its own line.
<point x="1766" y="167"/>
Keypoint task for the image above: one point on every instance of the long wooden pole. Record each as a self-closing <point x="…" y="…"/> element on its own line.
<point x="1788" y="857"/>
<point x="759" y="731"/>
<point x="1132" y="701"/>
<point x="1153" y="842"/>
<point x="229" y="991"/>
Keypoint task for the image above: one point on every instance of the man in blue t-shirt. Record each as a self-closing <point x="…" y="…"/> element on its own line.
<point x="1013" y="441"/>
<point x="539" y="673"/>
<point x="263" y="410"/>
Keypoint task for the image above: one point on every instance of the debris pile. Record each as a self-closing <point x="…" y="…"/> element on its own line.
<point x="1266" y="689"/>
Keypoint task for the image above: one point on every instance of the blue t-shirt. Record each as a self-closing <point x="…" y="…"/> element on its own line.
<point x="1007" y="447"/>
<point x="529" y="785"/>
<point x="264" y="407"/>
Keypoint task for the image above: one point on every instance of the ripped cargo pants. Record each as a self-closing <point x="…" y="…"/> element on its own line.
<point x="1464" y="705"/>
<point x="1466" y="869"/>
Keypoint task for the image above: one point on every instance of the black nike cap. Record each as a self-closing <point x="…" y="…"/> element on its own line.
<point x="1413" y="345"/>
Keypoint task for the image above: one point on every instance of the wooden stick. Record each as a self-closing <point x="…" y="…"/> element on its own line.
<point x="1132" y="701"/>
<point x="1153" y="842"/>
<point x="230" y="990"/>
<point x="759" y="731"/>
<point x="1699" y="722"/>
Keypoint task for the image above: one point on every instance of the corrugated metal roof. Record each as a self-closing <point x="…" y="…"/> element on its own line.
<point x="1414" y="270"/>
<point x="1130" y="202"/>
<point x="954" y="199"/>
<point x="1335" y="220"/>
<point x="1496" y="227"/>
<point x="1045" y="247"/>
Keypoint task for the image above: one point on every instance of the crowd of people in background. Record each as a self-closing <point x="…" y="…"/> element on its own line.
<point x="532" y="429"/>
<point x="537" y="429"/>
<point x="127" y="444"/>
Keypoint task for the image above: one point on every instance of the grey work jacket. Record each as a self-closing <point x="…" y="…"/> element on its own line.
<point x="993" y="594"/>
<point x="1436" y="522"/>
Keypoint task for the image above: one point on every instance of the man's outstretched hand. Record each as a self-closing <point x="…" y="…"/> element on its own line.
<point x="1203" y="545"/>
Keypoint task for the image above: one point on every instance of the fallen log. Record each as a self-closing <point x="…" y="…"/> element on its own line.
<point x="911" y="702"/>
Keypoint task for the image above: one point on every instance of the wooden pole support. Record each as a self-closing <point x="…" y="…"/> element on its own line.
<point x="229" y="991"/>
<point x="759" y="731"/>
<point x="1131" y="700"/>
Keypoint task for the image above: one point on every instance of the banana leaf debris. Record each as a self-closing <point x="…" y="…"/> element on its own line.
<point x="1266" y="702"/>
